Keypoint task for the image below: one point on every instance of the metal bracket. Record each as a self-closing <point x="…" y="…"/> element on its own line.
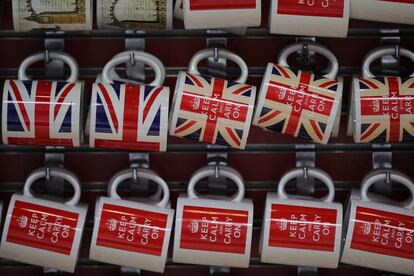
<point x="139" y="187"/>
<point x="382" y="159"/>
<point x="130" y="271"/>
<point x="216" y="156"/>
<point x="134" y="40"/>
<point x="54" y="41"/>
<point x="216" y="66"/>
<point x="305" y="58"/>
<point x="390" y="63"/>
<point x="219" y="271"/>
<point x="305" y="158"/>
<point x="54" y="186"/>
<point x="307" y="271"/>
<point x="51" y="271"/>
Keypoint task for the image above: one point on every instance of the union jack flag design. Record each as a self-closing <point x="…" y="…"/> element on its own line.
<point x="213" y="110"/>
<point x="386" y="112"/>
<point x="298" y="103"/>
<point x="43" y="113"/>
<point x="129" y="116"/>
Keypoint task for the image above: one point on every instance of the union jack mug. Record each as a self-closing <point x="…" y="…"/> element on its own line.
<point x="299" y="103"/>
<point x="213" y="110"/>
<point x="44" y="232"/>
<point x="129" y="233"/>
<point x="302" y="231"/>
<point x="310" y="17"/>
<point x="380" y="234"/>
<point x="213" y="231"/>
<point x="382" y="108"/>
<point x="128" y="115"/>
<point x="393" y="11"/>
<point x="205" y="14"/>
<point x="43" y="112"/>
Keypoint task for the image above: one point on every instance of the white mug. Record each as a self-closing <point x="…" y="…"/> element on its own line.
<point x="214" y="231"/>
<point x="302" y="231"/>
<point x="310" y="18"/>
<point x="206" y="14"/>
<point x="125" y="114"/>
<point x="392" y="11"/>
<point x="213" y="110"/>
<point x="44" y="232"/>
<point x="299" y="103"/>
<point x="380" y="233"/>
<point x="129" y="233"/>
<point x="43" y="112"/>
<point x="381" y="109"/>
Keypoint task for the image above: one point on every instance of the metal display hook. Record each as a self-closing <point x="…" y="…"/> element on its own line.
<point x="135" y="41"/>
<point x="390" y="63"/>
<point x="217" y="40"/>
<point x="382" y="159"/>
<point x="139" y="187"/>
<point x="305" y="58"/>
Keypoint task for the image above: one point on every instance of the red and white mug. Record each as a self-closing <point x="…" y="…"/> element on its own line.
<point x="302" y="231"/>
<point x="214" y="231"/>
<point x="310" y="17"/>
<point x="299" y="103"/>
<point x="392" y="11"/>
<point x="380" y="234"/>
<point x="213" y="110"/>
<point x="128" y="115"/>
<point x="207" y="14"/>
<point x="382" y="108"/>
<point x="44" y="232"/>
<point x="43" y="112"/>
<point x="129" y="233"/>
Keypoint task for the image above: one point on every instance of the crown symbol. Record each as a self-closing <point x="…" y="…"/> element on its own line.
<point x="375" y="106"/>
<point x="283" y="224"/>
<point x="196" y="103"/>
<point x="111" y="224"/>
<point x="22" y="220"/>
<point x="366" y="228"/>
<point x="193" y="226"/>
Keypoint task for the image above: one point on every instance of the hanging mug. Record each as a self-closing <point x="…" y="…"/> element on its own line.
<point x="44" y="232"/>
<point x="214" y="231"/>
<point x="299" y="103"/>
<point x="382" y="108"/>
<point x="43" y="112"/>
<point x="392" y="11"/>
<point x="127" y="115"/>
<point x="310" y="18"/>
<point x="206" y="14"/>
<point x="129" y="233"/>
<point x="213" y="110"/>
<point x="380" y="233"/>
<point x="302" y="231"/>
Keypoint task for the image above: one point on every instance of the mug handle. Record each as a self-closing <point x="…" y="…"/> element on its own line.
<point x="380" y="52"/>
<point x="225" y="171"/>
<point x="313" y="172"/>
<point x="381" y="175"/>
<point x="314" y="47"/>
<point x="137" y="56"/>
<point x="141" y="173"/>
<point x="65" y="57"/>
<point x="54" y="172"/>
<point x="221" y="53"/>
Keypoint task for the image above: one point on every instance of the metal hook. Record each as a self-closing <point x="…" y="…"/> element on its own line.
<point x="216" y="54"/>
<point x="397" y="52"/>
<point x="132" y="59"/>
<point x="134" y="174"/>
<point x="388" y="178"/>
<point x="47" y="56"/>
<point x="217" y="172"/>
<point x="47" y="173"/>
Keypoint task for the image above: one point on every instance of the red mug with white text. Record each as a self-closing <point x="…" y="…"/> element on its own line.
<point x="380" y="232"/>
<point x="213" y="231"/>
<point x="44" y="232"/>
<point x="129" y="233"/>
<point x="302" y="231"/>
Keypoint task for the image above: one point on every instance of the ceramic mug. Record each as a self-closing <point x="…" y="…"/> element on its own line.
<point x="129" y="233"/>
<point x="213" y="231"/>
<point x="213" y="110"/>
<point x="392" y="11"/>
<point x="299" y="103"/>
<point x="44" y="232"/>
<point x="42" y="112"/>
<point x="206" y="14"/>
<point x="382" y="108"/>
<point x="302" y="231"/>
<point x="128" y="115"/>
<point x="380" y="233"/>
<point x="310" y="17"/>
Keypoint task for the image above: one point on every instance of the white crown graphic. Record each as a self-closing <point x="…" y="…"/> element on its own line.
<point x="375" y="106"/>
<point x="366" y="228"/>
<point x="22" y="221"/>
<point x="111" y="224"/>
<point x="283" y="223"/>
<point x="193" y="226"/>
<point x="196" y="103"/>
